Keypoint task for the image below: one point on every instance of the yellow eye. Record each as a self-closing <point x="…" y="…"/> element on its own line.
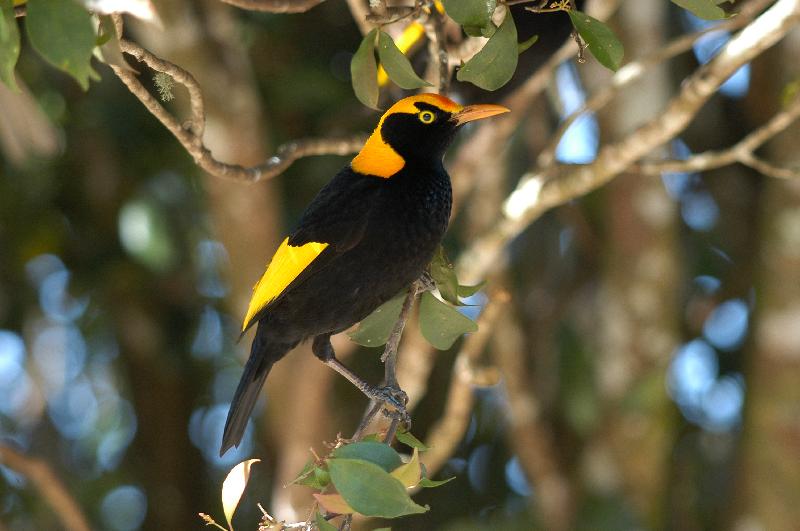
<point x="427" y="117"/>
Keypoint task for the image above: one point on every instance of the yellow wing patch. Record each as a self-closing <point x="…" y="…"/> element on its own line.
<point x="289" y="261"/>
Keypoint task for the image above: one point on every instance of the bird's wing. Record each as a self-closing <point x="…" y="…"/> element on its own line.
<point x="333" y="223"/>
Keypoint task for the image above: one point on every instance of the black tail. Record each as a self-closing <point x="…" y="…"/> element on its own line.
<point x="263" y="354"/>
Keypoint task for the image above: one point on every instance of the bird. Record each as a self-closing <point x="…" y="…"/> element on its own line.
<point x="367" y="235"/>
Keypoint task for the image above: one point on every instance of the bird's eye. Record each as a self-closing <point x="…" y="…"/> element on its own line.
<point x="427" y="117"/>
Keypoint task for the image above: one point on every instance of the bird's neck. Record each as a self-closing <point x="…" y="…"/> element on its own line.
<point x="377" y="158"/>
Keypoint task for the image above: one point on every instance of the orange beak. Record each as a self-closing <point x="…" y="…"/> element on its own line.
<point x="477" y="112"/>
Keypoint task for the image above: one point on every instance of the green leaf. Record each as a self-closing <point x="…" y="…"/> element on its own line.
<point x="370" y="490"/>
<point x="408" y="439"/>
<point x="322" y="524"/>
<point x="61" y="31"/>
<point x="524" y="45"/>
<point x="705" y="9"/>
<point x="430" y="483"/>
<point x="602" y="42"/>
<point x="9" y="44"/>
<point x="364" y="71"/>
<point x="409" y="473"/>
<point x="445" y="276"/>
<point x="375" y="452"/>
<point x="493" y="66"/>
<point x="440" y="323"/>
<point x="397" y="65"/>
<point x="333" y="503"/>
<point x="469" y="291"/>
<point x="475" y="13"/>
<point x="312" y="476"/>
<point x="375" y="329"/>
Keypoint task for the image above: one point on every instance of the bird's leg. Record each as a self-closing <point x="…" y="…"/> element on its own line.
<point x="391" y="394"/>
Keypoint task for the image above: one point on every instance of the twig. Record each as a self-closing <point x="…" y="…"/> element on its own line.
<point x="742" y="151"/>
<point x="50" y="487"/>
<point x="636" y="69"/>
<point x="275" y="6"/>
<point x="190" y="134"/>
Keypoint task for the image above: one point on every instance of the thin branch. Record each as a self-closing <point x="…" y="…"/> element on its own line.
<point x="190" y="134"/>
<point x="52" y="490"/>
<point x="742" y="151"/>
<point x="439" y="65"/>
<point x="276" y="6"/>
<point x="636" y="69"/>
<point x="359" y="11"/>
<point x="544" y="188"/>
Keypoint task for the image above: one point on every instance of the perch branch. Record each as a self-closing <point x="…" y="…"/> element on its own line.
<point x="52" y="490"/>
<point x="190" y="134"/>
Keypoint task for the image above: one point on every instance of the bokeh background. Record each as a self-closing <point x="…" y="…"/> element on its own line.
<point x="643" y="374"/>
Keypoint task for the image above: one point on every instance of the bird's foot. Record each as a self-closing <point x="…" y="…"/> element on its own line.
<point x="396" y="398"/>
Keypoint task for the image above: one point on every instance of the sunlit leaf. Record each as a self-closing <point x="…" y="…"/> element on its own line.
<point x="370" y="490"/>
<point x="445" y="276"/>
<point x="430" y="483"/>
<point x="9" y="44"/>
<point x="233" y="487"/>
<point x="408" y="439"/>
<point x="364" y="71"/>
<point x="334" y="503"/>
<point x="470" y="13"/>
<point x="705" y="9"/>
<point x="397" y="65"/>
<point x="61" y="31"/>
<point x="524" y="45"/>
<point x="378" y="453"/>
<point x="322" y="524"/>
<point x="409" y="473"/>
<point x="493" y="66"/>
<point x="441" y="324"/>
<point x="603" y="43"/>
<point x="375" y="329"/>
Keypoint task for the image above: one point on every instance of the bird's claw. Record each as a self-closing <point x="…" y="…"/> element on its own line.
<point x="397" y="399"/>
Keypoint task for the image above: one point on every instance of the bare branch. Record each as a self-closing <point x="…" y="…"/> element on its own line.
<point x="450" y="428"/>
<point x="544" y="188"/>
<point x="276" y="6"/>
<point x="50" y="487"/>
<point x="636" y="69"/>
<point x="742" y="151"/>
<point x="190" y="135"/>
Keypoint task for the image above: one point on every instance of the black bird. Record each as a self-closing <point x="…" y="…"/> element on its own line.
<point x="369" y="233"/>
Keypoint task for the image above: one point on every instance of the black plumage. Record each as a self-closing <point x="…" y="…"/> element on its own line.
<point x="381" y="227"/>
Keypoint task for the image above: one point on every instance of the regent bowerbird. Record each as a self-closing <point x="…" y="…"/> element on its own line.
<point x="368" y="234"/>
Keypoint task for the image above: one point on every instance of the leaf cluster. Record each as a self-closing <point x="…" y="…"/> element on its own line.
<point x="496" y="61"/>
<point x="440" y="322"/>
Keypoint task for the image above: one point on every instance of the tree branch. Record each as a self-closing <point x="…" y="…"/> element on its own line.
<point x="450" y="428"/>
<point x="50" y="487"/>
<point x="742" y="151"/>
<point x="276" y="6"/>
<point x="544" y="188"/>
<point x="190" y="134"/>
<point x="635" y="70"/>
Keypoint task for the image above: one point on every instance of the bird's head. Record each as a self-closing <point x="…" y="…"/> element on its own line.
<point x="416" y="129"/>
